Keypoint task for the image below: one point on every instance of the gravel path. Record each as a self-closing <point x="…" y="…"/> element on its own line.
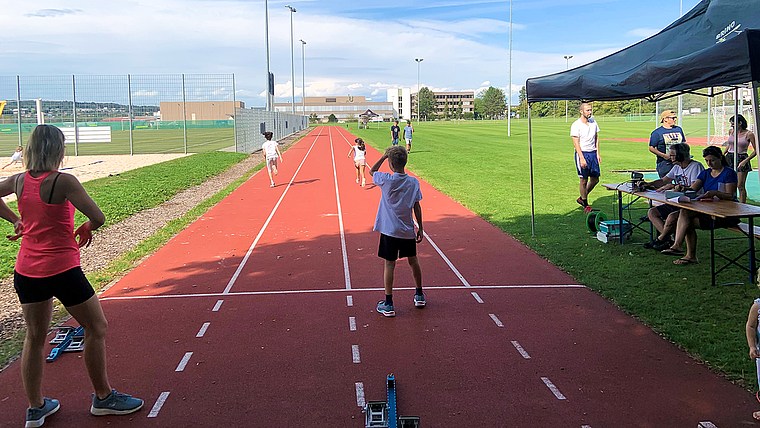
<point x="113" y="241"/>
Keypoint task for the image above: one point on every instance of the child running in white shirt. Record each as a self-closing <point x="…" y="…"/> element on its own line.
<point x="359" y="151"/>
<point x="272" y="152"/>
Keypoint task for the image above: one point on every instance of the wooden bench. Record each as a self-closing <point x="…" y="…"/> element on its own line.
<point x="744" y="228"/>
<point x="88" y="134"/>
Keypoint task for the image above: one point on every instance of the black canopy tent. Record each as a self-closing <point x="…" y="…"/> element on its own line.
<point x="717" y="43"/>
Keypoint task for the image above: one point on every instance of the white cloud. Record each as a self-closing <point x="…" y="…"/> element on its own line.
<point x="486" y="83"/>
<point x="642" y="33"/>
<point x="355" y="86"/>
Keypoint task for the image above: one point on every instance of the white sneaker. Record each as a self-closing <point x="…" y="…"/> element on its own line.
<point x="271" y="184"/>
<point x="357" y="181"/>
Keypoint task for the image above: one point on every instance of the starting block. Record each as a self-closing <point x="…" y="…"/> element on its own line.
<point x="69" y="339"/>
<point x="384" y="413"/>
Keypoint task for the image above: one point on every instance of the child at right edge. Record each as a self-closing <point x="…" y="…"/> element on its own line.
<point x="753" y="333"/>
<point x="400" y="196"/>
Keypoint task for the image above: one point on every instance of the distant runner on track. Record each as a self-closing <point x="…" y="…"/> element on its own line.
<point x="359" y="151"/>
<point x="400" y="195"/>
<point x="48" y="266"/>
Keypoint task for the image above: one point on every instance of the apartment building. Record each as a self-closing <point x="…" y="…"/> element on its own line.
<point x="465" y="99"/>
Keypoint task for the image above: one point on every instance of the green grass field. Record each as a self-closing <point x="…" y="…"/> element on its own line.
<point x="478" y="165"/>
<point x="144" y="141"/>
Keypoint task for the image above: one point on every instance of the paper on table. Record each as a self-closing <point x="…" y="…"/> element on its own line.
<point x="680" y="199"/>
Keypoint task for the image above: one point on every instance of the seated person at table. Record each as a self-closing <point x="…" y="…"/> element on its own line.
<point x="679" y="178"/>
<point x="718" y="180"/>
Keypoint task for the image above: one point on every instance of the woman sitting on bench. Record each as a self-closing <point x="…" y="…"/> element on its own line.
<point x="718" y="180"/>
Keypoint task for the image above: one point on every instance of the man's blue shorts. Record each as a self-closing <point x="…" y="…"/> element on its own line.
<point x="395" y="141"/>
<point x="592" y="165"/>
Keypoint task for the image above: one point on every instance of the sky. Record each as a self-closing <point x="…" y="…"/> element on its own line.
<point x="357" y="48"/>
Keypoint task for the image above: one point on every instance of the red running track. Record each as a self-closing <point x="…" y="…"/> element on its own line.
<point x="270" y="303"/>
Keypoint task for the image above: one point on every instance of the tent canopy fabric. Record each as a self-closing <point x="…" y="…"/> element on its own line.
<point x="368" y="113"/>
<point x="717" y="43"/>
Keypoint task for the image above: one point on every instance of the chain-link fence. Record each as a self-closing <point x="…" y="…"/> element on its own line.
<point x="252" y="123"/>
<point x="131" y="114"/>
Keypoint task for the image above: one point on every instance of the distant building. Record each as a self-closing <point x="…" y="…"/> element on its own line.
<point x="452" y="99"/>
<point x="343" y="108"/>
<point x="402" y="102"/>
<point x="199" y="110"/>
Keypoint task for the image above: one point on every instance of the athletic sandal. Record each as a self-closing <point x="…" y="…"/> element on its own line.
<point x="672" y="252"/>
<point x="581" y="203"/>
<point x="36" y="417"/>
<point x="650" y="245"/>
<point x="587" y="209"/>
<point x="663" y="245"/>
<point x="115" y="404"/>
<point x="683" y="261"/>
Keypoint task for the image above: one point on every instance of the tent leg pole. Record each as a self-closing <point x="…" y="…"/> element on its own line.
<point x="709" y="112"/>
<point x="736" y="124"/>
<point x="530" y="151"/>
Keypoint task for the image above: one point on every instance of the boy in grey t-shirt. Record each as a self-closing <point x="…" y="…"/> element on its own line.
<point x="400" y="196"/>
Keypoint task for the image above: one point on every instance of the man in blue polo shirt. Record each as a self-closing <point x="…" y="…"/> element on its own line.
<point x="664" y="137"/>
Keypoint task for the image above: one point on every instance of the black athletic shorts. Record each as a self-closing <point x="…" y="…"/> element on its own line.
<point x="705" y="222"/>
<point x="70" y="287"/>
<point x="396" y="248"/>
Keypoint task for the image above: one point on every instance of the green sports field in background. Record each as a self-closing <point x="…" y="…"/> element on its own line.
<point x="144" y="141"/>
<point x="476" y="164"/>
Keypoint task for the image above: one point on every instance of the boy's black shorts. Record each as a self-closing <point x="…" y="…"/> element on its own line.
<point x="70" y="287"/>
<point x="392" y="248"/>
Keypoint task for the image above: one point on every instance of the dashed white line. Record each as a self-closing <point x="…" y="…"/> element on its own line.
<point x="349" y="300"/>
<point x="340" y="216"/>
<point x="360" y="395"/>
<point x="159" y="403"/>
<point x="203" y="329"/>
<point x="355" y="354"/>
<point x="585" y="426"/>
<point x="520" y="350"/>
<point x="352" y="323"/>
<point x="477" y="297"/>
<point x="184" y="361"/>
<point x="266" y="223"/>
<point x="707" y="424"/>
<point x="217" y="306"/>
<point x="496" y="320"/>
<point x="553" y="388"/>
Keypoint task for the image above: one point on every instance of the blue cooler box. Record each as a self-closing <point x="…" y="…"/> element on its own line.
<point x="612" y="227"/>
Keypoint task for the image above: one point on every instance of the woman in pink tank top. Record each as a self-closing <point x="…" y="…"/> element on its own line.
<point x="745" y="139"/>
<point x="48" y="266"/>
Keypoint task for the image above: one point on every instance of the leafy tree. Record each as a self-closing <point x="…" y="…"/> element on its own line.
<point x="494" y="103"/>
<point x="332" y="118"/>
<point x="313" y="117"/>
<point x="446" y="111"/>
<point x="478" y="107"/>
<point x="426" y="102"/>
<point x="459" y="110"/>
<point x="468" y="115"/>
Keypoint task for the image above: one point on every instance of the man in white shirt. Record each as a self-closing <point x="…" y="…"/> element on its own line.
<point x="585" y="135"/>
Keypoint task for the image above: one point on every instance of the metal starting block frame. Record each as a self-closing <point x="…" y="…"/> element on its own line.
<point x="73" y="336"/>
<point x="384" y="414"/>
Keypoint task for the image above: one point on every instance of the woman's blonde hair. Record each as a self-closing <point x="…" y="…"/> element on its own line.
<point x="45" y="149"/>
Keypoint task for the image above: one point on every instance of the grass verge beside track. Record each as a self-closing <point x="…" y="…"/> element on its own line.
<point x="476" y="164"/>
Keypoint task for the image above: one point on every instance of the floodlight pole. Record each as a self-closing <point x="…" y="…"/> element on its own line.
<point x="292" y="66"/>
<point x="509" y="97"/>
<point x="419" y="60"/>
<point x="567" y="67"/>
<point x="269" y="107"/>
<point x="680" y="97"/>
<point x="303" y="76"/>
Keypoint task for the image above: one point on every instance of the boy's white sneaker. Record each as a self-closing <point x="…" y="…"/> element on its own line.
<point x="357" y="181"/>
<point x="271" y="184"/>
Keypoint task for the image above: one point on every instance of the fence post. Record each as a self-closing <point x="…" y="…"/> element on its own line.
<point x="18" y="108"/>
<point x="184" y="113"/>
<point x="234" y="114"/>
<point x="76" y="130"/>
<point x="129" y="88"/>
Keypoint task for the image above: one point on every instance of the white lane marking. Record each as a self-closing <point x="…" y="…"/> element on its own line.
<point x="340" y="216"/>
<point x="446" y="259"/>
<point x="496" y="320"/>
<point x="585" y="426"/>
<point x="520" y="350"/>
<point x="266" y="223"/>
<point x="352" y="323"/>
<point x="477" y="297"/>
<point x="355" y="354"/>
<point x="706" y="424"/>
<point x="350" y="300"/>
<point x="360" y="395"/>
<point x="553" y="388"/>
<point x="262" y="293"/>
<point x="159" y="404"/>
<point x="184" y="361"/>
<point x="203" y="329"/>
<point x="217" y="306"/>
